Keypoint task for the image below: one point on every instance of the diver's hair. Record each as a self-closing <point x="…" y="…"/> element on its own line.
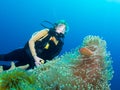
<point x="62" y="22"/>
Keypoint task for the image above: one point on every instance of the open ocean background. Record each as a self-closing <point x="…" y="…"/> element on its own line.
<point x="19" y="19"/>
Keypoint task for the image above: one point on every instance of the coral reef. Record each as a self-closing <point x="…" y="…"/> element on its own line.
<point x="71" y="71"/>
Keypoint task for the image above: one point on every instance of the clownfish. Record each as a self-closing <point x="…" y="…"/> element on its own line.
<point x="85" y="51"/>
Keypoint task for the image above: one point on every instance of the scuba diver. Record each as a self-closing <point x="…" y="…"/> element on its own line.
<point x="43" y="45"/>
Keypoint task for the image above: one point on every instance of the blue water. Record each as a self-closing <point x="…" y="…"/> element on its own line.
<point x="20" y="18"/>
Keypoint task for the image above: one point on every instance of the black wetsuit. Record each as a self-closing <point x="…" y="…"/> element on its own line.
<point x="23" y="55"/>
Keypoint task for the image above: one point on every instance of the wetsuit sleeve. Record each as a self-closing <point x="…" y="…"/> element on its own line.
<point x="36" y="37"/>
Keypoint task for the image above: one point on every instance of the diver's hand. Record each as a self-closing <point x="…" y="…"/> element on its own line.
<point x="38" y="61"/>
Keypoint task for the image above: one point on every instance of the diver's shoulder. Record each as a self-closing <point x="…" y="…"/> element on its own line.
<point x="46" y="29"/>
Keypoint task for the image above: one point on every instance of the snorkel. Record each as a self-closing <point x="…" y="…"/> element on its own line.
<point x="54" y="25"/>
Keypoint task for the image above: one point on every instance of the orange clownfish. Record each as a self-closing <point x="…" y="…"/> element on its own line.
<point x="85" y="51"/>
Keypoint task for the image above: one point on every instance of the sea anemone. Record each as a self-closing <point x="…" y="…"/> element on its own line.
<point x="92" y="68"/>
<point x="74" y="71"/>
<point x="17" y="79"/>
<point x="71" y="71"/>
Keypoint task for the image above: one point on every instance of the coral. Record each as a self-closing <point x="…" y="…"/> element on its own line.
<point x="73" y="70"/>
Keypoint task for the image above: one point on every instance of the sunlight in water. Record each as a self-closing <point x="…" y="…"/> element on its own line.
<point x="117" y="1"/>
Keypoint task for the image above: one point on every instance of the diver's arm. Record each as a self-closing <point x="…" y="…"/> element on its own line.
<point x="34" y="39"/>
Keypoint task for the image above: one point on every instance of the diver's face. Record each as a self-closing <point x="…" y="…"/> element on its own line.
<point x="60" y="28"/>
